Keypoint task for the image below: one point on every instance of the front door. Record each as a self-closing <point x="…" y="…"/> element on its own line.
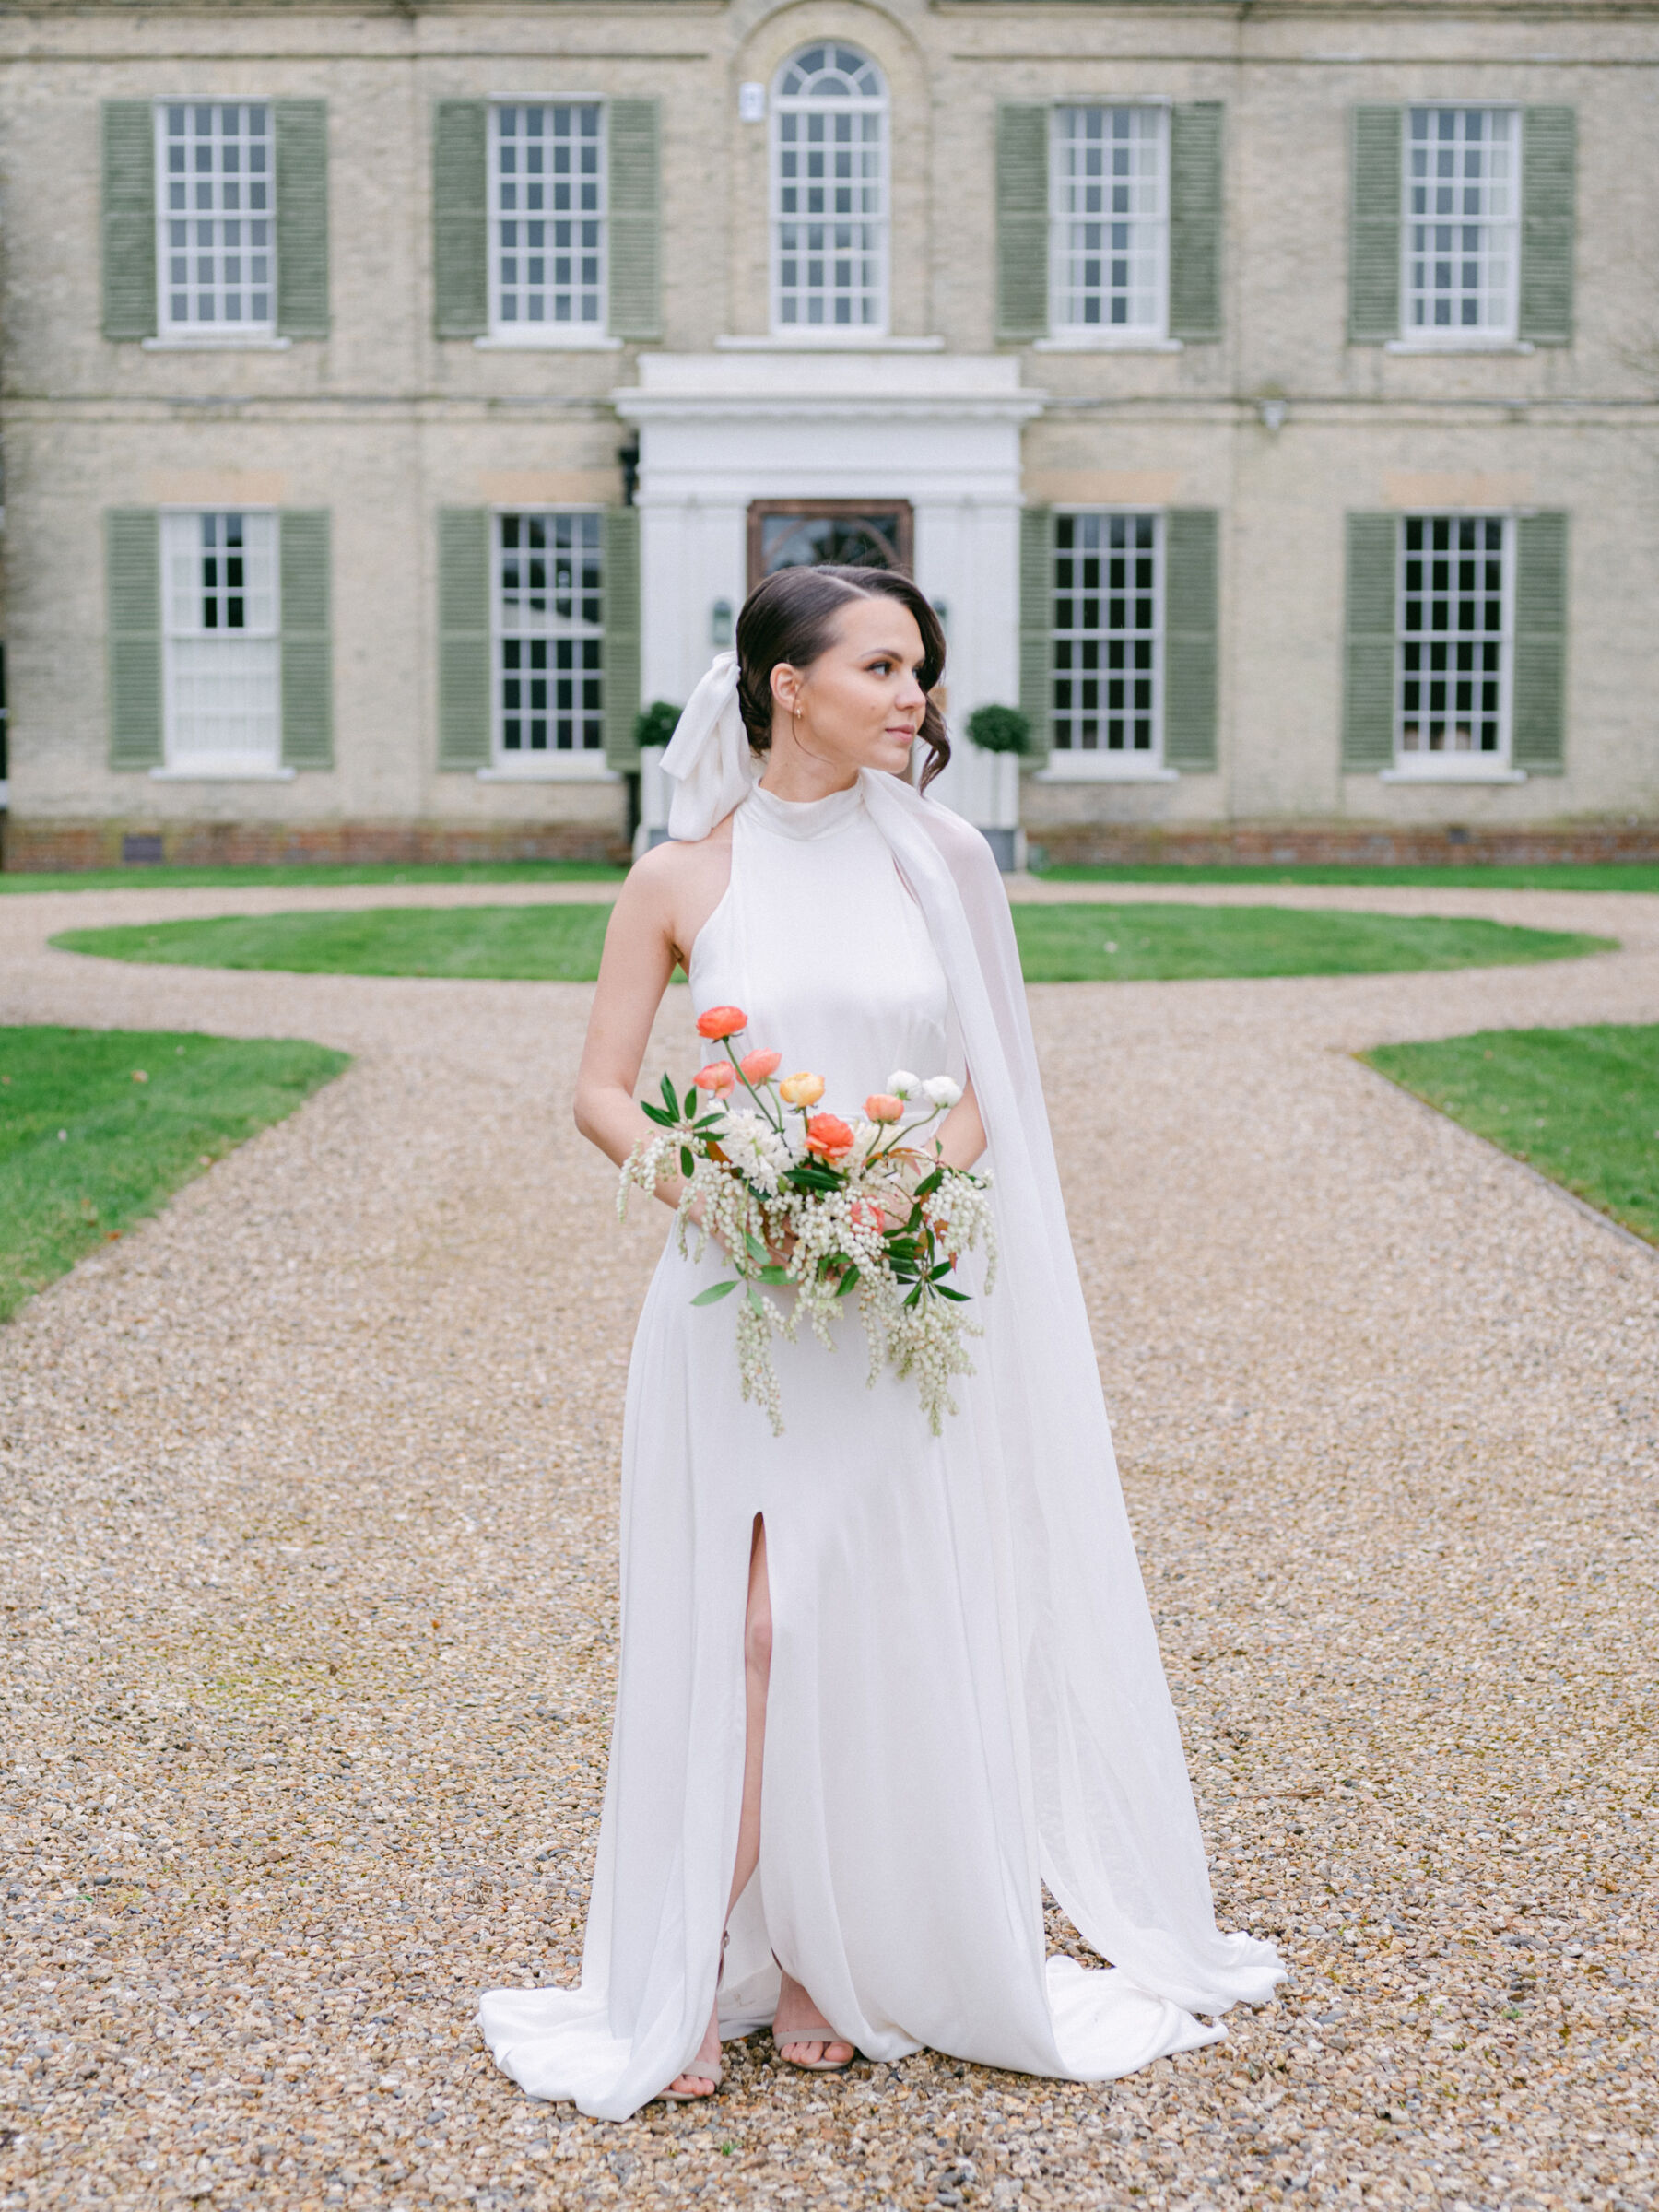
<point x="804" y="533"/>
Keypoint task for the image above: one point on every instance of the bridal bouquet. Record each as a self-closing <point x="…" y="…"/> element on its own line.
<point x="803" y="1200"/>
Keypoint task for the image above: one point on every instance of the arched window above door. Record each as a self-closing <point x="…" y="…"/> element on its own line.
<point x="829" y="195"/>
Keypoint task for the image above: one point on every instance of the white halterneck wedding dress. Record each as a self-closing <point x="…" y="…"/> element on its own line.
<point x="966" y="1697"/>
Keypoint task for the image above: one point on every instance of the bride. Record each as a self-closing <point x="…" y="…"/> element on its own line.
<point x="876" y="1687"/>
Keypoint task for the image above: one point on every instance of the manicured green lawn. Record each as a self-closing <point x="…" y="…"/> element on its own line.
<point x="1581" y="1105"/>
<point x="88" y="1147"/>
<point x="542" y="944"/>
<point x="1058" y="944"/>
<point x="137" y="879"/>
<point x="1548" y="875"/>
<point x="1095" y="944"/>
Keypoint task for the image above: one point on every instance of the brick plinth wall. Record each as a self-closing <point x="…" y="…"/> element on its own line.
<point x="1268" y="844"/>
<point x="32" y="847"/>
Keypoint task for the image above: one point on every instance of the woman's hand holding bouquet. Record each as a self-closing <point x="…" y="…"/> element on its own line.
<point x="802" y="1199"/>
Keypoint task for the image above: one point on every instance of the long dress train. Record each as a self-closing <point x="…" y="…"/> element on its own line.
<point x="932" y="1752"/>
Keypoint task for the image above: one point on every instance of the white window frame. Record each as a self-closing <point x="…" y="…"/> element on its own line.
<point x="1064" y="336"/>
<point x="1425" y="338"/>
<point x="230" y="765"/>
<point x="1456" y="767"/>
<point x="778" y="106"/>
<point x="585" y="765"/>
<point x="259" y="336"/>
<point x="1064" y="764"/>
<point x="557" y="337"/>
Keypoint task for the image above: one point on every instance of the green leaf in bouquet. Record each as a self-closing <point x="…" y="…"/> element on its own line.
<point x="911" y="1300"/>
<point x="846" y="1283"/>
<point x="756" y="1300"/>
<point x="773" y="1273"/>
<point x="671" y="1100"/>
<point x="959" y="1298"/>
<point x="655" y="1114"/>
<point x="930" y="1183"/>
<point x="687" y="1163"/>
<point x="691" y="1101"/>
<point x="944" y="1267"/>
<point x="757" y="1251"/>
<point x="715" y="1291"/>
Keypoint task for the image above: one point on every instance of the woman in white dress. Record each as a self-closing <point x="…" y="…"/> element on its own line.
<point x="876" y="1687"/>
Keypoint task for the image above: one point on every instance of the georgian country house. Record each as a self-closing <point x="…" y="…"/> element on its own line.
<point x="398" y="397"/>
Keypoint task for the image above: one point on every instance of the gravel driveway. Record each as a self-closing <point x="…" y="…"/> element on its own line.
<point x="309" y="1492"/>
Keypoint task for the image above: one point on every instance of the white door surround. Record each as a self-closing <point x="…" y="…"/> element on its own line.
<point x="941" y="431"/>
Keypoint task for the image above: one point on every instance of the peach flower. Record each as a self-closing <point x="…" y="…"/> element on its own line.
<point x="802" y="1090"/>
<point x="719" y="1076"/>
<point x="757" y="1066"/>
<point x="881" y="1106"/>
<point x="722" y="1021"/>
<point x="827" y="1134"/>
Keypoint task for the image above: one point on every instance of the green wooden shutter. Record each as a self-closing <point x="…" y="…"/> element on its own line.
<point x="129" y="218"/>
<point x="1539" y="717"/>
<point x="307" y="642"/>
<point x="133" y="566"/>
<point x="1379" y="188"/>
<point x="464" y="715"/>
<point x="1549" y="178"/>
<point x="1192" y="621"/>
<point x="621" y="635"/>
<point x="635" y="218"/>
<point x="1037" y="625"/>
<point x="1367" y="694"/>
<point x="461" y="218"/>
<point x="1022" y="221"/>
<point x="1195" y="202"/>
<point x="301" y="217"/>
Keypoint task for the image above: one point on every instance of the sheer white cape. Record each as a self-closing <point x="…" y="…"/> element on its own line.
<point x="1117" y="1830"/>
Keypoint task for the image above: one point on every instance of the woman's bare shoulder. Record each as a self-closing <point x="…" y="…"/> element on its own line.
<point x="680" y="882"/>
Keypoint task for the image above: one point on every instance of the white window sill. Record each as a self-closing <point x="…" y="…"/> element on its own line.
<point x="1460" y="344"/>
<point x="225" y="341"/>
<point x="551" y="340"/>
<point x="574" y="768"/>
<point x="1102" y="342"/>
<point x="1454" y="773"/>
<point x="829" y="341"/>
<point x="1082" y="770"/>
<point x="222" y="772"/>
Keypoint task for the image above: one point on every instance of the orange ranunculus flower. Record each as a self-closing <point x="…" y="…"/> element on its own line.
<point x="719" y="1076"/>
<point x="802" y="1089"/>
<point x="722" y="1021"/>
<point x="827" y="1134"/>
<point x="881" y="1106"/>
<point x="757" y="1066"/>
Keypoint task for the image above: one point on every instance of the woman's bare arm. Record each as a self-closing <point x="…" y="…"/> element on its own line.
<point x="661" y="908"/>
<point x="962" y="1132"/>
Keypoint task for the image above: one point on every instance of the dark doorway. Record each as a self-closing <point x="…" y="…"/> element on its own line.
<point x="804" y="533"/>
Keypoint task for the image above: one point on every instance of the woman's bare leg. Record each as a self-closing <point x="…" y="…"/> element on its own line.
<point x="757" y="1672"/>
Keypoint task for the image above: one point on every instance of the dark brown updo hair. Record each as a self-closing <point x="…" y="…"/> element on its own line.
<point x="789" y="618"/>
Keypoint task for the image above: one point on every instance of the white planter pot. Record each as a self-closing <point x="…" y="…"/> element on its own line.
<point x="655" y="792"/>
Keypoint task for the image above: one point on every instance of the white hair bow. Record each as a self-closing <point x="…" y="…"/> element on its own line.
<point x="709" y="755"/>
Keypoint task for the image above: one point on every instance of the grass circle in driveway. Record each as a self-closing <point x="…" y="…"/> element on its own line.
<point x="1060" y="944"/>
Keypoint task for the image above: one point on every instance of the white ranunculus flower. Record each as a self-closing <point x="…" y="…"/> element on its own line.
<point x="902" y="1084"/>
<point x="942" y="1090"/>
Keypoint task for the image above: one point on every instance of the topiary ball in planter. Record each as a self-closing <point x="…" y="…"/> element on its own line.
<point x="999" y="730"/>
<point x="656" y="725"/>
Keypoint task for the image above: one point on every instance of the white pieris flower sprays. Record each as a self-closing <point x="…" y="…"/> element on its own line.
<point x="809" y="1202"/>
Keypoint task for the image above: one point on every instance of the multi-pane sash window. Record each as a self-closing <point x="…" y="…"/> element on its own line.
<point x="1455" y="596"/>
<point x="830" y="228"/>
<point x="547" y="197"/>
<point x="1108" y="623"/>
<point x="1463" y="222"/>
<point x="1108" y="219"/>
<point x="217" y="244"/>
<point x="549" y="637"/>
<point x="221" y="652"/>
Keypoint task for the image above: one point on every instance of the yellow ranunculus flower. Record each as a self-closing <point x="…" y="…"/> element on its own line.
<point x="802" y="1090"/>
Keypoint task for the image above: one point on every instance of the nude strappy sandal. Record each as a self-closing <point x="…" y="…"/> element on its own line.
<point x="820" y="2032"/>
<point x="672" y="2096"/>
